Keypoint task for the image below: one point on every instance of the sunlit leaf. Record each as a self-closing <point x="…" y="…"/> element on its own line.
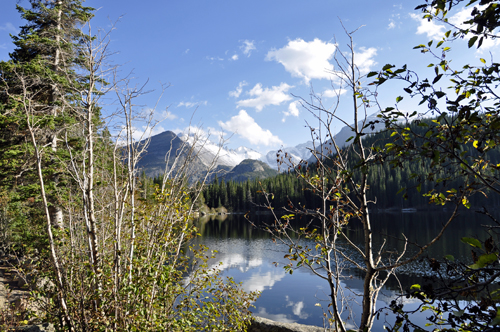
<point x="472" y="242"/>
<point x="484" y="260"/>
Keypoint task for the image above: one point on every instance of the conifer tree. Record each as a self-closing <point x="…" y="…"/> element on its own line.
<point x="42" y="77"/>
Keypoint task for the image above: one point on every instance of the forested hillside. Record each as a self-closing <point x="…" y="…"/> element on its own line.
<point x="400" y="184"/>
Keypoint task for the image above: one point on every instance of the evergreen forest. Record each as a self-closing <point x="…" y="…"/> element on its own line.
<point x="398" y="184"/>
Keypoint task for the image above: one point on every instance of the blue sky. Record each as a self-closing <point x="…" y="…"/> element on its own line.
<point x="239" y="64"/>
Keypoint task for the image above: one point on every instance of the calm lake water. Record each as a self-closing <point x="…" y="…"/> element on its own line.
<point x="250" y="256"/>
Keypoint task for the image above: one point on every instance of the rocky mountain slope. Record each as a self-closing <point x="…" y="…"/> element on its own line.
<point x="236" y="164"/>
<point x="250" y="169"/>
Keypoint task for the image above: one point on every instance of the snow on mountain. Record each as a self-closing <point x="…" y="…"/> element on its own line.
<point x="296" y="153"/>
<point x="209" y="151"/>
<point x="346" y="132"/>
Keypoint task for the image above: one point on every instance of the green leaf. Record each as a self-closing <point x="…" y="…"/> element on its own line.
<point x="372" y="73"/>
<point x="472" y="41"/>
<point x="450" y="258"/>
<point x="480" y="42"/>
<point x="398" y="99"/>
<point x="482" y="60"/>
<point x="440" y="94"/>
<point x="484" y="260"/>
<point x="437" y="78"/>
<point x="472" y="242"/>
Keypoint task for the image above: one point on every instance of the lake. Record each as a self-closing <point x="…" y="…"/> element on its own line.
<point x="249" y="255"/>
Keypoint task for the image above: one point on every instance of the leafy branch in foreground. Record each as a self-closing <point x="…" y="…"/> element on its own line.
<point x="461" y="142"/>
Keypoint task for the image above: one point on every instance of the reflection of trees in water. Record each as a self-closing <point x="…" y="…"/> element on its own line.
<point x="231" y="226"/>
<point x="248" y="254"/>
<point x="419" y="227"/>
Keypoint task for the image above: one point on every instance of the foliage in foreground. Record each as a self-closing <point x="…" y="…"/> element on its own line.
<point x="111" y="261"/>
<point x="466" y="102"/>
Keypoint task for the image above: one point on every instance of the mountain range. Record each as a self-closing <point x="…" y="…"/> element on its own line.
<point x="236" y="164"/>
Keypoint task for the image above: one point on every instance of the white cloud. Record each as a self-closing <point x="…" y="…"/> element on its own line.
<point x="9" y="27"/>
<point x="239" y="89"/>
<point x="333" y="93"/>
<point x="142" y="132"/>
<point x="429" y="28"/>
<point x="395" y="20"/>
<point x="199" y="134"/>
<point x="296" y="308"/>
<point x="293" y="110"/>
<point x="245" y="126"/>
<point x="268" y="96"/>
<point x="364" y="59"/>
<point x="189" y="104"/>
<point x="248" y="46"/>
<point x="464" y="15"/>
<point x="186" y="51"/>
<point x="261" y="281"/>
<point x="460" y="17"/>
<point x="276" y="317"/>
<point x="307" y="60"/>
<point x="215" y="58"/>
<point x="167" y="115"/>
<point x="234" y="57"/>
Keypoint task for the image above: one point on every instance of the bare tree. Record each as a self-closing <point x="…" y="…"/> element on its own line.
<point x="118" y="261"/>
<point x="339" y="179"/>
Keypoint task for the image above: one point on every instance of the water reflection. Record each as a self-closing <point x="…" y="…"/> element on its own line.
<point x="250" y="257"/>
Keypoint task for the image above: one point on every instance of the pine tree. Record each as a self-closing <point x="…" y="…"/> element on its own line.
<point x="39" y="84"/>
